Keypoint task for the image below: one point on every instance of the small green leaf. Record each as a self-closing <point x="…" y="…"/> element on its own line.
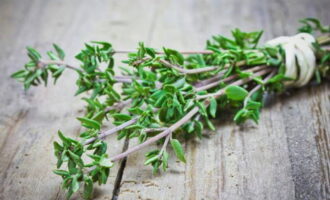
<point x="236" y="93"/>
<point x="33" y="54"/>
<point x="202" y="108"/>
<point x="179" y="83"/>
<point x="177" y="147"/>
<point x="59" y="51"/>
<point x="151" y="52"/>
<point x="165" y="160"/>
<point x="99" y="116"/>
<point x="74" y="185"/>
<point x="61" y="172"/>
<point x="213" y="107"/>
<point x="199" y="128"/>
<point x="89" y="123"/>
<point x="239" y="116"/>
<point x="209" y="124"/>
<point x="105" y="162"/>
<point x="76" y="159"/>
<point x="253" y="105"/>
<point x="151" y="160"/>
<point x="174" y="55"/>
<point x="62" y="137"/>
<point x="88" y="188"/>
<point x="19" y="74"/>
<point x="121" y="117"/>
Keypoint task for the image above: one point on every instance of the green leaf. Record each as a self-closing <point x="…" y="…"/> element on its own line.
<point x="312" y="24"/>
<point x="174" y="56"/>
<point x="33" y="54"/>
<point x="19" y="74"/>
<point x="62" y="137"/>
<point x="99" y="116"/>
<point x="236" y="93"/>
<point x="253" y="105"/>
<point x="177" y="147"/>
<point x="151" y="52"/>
<point x="209" y="124"/>
<point x="88" y="188"/>
<point x="32" y="77"/>
<point x="190" y="127"/>
<point x="151" y="160"/>
<point x="105" y="162"/>
<point x="58" y="153"/>
<point x="61" y="172"/>
<point x="74" y="184"/>
<point x="179" y="83"/>
<point x="165" y="160"/>
<point x="121" y="117"/>
<point x="199" y="128"/>
<point x="59" y="51"/>
<point x="52" y="55"/>
<point x="135" y="110"/>
<point x="213" y="107"/>
<point x="202" y="108"/>
<point x="89" y="123"/>
<point x="76" y="159"/>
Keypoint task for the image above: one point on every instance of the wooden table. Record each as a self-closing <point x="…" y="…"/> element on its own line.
<point x="286" y="156"/>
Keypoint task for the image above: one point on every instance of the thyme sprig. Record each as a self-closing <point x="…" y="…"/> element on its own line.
<point x="163" y="96"/>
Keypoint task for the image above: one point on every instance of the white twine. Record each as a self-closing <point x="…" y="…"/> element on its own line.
<point x="300" y="61"/>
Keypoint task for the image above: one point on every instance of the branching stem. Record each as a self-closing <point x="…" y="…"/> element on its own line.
<point x="159" y="52"/>
<point x="324" y="39"/>
<point x="167" y="139"/>
<point x="187" y="71"/>
<point x="148" y="130"/>
<point x="43" y="63"/>
<point x="112" y="131"/>
<point x="229" y="78"/>
<point x="153" y="139"/>
<point x="118" y="106"/>
<point x="258" y="87"/>
<point x="238" y="82"/>
<point x="198" y="70"/>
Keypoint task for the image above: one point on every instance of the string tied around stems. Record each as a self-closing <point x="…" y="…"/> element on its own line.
<point x="300" y="59"/>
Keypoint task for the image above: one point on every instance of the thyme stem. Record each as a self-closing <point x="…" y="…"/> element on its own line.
<point x="153" y="139"/>
<point x="112" y="131"/>
<point x="205" y="52"/>
<point x="324" y="39"/>
<point x="159" y="52"/>
<point x="238" y="82"/>
<point x="118" y="106"/>
<point x="147" y="130"/>
<point x="187" y="71"/>
<point x="42" y="63"/>
<point x="167" y="139"/>
<point x="198" y="70"/>
<point x="258" y="87"/>
<point x="229" y="78"/>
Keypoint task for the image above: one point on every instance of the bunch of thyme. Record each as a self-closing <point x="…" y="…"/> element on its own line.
<point x="164" y="96"/>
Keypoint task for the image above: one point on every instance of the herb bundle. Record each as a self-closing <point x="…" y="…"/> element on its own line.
<point x="163" y="96"/>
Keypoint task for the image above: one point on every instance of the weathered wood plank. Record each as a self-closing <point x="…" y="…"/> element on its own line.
<point x="286" y="156"/>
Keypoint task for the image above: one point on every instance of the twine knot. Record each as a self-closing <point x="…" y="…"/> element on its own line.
<point x="300" y="60"/>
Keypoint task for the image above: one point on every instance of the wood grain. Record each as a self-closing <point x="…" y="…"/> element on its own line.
<point x="285" y="156"/>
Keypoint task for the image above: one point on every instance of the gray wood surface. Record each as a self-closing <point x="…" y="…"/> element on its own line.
<point x="285" y="156"/>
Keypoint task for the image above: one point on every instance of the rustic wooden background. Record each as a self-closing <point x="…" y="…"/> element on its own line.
<point x="286" y="156"/>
